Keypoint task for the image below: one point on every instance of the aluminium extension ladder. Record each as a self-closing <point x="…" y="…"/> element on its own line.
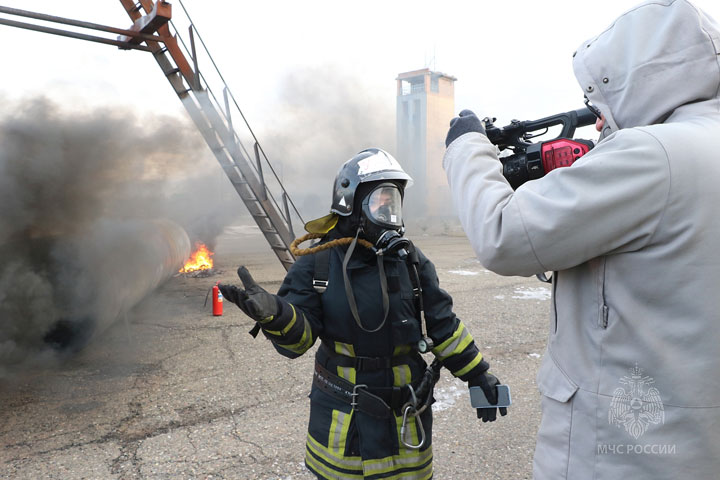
<point x="155" y="30"/>
<point x="215" y="122"/>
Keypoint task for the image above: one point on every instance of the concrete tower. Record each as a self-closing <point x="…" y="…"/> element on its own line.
<point x="425" y="106"/>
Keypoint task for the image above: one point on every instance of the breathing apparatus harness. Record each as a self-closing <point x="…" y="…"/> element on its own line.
<point x="392" y="242"/>
<point x="375" y="401"/>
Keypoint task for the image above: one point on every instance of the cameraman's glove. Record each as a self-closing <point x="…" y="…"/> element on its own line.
<point x="488" y="383"/>
<point x="466" y="122"/>
<point x="257" y="303"/>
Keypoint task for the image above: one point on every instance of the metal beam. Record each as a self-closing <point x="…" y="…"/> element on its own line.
<point x="65" y="33"/>
<point x="159" y="16"/>
<point x="78" y="23"/>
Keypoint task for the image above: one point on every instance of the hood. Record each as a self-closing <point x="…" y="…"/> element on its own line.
<point x="656" y="57"/>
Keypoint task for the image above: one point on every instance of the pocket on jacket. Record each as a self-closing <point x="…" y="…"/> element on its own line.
<point x="552" y="382"/>
<point x="552" y="450"/>
<point x="405" y="331"/>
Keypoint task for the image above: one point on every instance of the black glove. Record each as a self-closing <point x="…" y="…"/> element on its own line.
<point x="466" y="122"/>
<point x="488" y="382"/>
<point x="257" y="303"/>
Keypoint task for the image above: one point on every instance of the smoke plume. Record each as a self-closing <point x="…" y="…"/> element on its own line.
<point x="323" y="117"/>
<point x="77" y="191"/>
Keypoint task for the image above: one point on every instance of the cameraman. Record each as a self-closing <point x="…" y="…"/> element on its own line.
<point x="630" y="384"/>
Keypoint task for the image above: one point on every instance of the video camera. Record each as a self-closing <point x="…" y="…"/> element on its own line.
<point x="533" y="160"/>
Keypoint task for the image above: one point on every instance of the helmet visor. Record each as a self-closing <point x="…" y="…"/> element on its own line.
<point x="385" y="206"/>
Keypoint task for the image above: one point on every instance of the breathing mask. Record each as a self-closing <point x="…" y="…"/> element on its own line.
<point x="381" y="219"/>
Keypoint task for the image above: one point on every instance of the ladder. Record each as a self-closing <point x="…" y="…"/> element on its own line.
<point x="214" y="121"/>
<point x="155" y="30"/>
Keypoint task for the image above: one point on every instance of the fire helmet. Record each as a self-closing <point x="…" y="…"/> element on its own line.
<point x="369" y="165"/>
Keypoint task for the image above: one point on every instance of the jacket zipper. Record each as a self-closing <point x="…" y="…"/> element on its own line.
<point x="604" y="316"/>
<point x="554" y="298"/>
<point x="604" y="308"/>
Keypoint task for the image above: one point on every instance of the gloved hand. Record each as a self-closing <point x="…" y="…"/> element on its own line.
<point x="254" y="300"/>
<point x="466" y="122"/>
<point x="488" y="382"/>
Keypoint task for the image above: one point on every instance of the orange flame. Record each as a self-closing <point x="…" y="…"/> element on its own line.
<point x="201" y="259"/>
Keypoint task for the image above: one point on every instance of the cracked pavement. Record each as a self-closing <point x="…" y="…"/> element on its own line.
<point x="173" y="392"/>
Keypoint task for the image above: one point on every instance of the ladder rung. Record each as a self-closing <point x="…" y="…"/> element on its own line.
<point x="261" y="203"/>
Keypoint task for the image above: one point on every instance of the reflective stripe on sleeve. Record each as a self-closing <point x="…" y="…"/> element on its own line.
<point x="286" y="328"/>
<point x="306" y="340"/>
<point x="457" y="342"/>
<point x="478" y="358"/>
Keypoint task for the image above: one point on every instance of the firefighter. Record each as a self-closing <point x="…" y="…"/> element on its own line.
<point x="374" y="301"/>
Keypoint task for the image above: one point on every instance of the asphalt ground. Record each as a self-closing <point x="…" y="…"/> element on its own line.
<point x="173" y="392"/>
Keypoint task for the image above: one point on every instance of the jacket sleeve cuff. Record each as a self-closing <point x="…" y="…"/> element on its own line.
<point x="281" y="318"/>
<point x="478" y="370"/>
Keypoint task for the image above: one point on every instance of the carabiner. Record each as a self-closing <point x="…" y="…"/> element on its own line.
<point x="419" y="424"/>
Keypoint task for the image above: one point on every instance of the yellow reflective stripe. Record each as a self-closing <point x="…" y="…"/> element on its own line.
<point x="287" y="327"/>
<point x="425" y="474"/>
<point x="340" y="461"/>
<point x="458" y="331"/>
<point x="401" y="375"/>
<point x="406" y="459"/>
<point x="464" y="342"/>
<point x="305" y="342"/>
<point x="348" y="373"/>
<point x="457" y="342"/>
<point x="326" y="472"/>
<point x="345" y="349"/>
<point x="338" y="431"/>
<point x="478" y="358"/>
<point x="401" y="350"/>
<point x="344" y="430"/>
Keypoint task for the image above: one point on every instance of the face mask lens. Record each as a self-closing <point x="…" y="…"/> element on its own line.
<point x="385" y="206"/>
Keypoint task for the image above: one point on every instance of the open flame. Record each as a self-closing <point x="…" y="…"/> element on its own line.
<point x="200" y="259"/>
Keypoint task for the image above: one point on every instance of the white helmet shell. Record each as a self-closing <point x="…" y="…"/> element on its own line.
<point x="367" y="166"/>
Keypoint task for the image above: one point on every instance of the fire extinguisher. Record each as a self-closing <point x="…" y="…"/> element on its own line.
<point x="217" y="301"/>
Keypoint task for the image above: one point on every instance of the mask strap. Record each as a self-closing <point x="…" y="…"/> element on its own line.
<point x="351" y="296"/>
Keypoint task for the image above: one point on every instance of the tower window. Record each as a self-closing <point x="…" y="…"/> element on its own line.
<point x="435" y="84"/>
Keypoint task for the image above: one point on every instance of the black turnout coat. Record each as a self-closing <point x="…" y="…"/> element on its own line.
<point x="343" y="442"/>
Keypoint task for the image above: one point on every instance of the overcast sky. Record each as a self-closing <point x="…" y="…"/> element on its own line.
<point x="316" y="79"/>
<point x="511" y="58"/>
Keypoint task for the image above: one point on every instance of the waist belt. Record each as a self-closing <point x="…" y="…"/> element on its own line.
<point x="378" y="402"/>
<point x="366" y="364"/>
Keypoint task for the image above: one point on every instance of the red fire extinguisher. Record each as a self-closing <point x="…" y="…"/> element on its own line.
<point x="217" y="301"/>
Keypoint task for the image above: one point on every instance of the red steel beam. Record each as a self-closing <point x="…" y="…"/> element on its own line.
<point x="171" y="44"/>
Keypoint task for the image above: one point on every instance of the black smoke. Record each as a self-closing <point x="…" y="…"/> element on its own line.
<point x="75" y="189"/>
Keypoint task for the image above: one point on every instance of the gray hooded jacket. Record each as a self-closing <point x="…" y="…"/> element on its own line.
<point x="630" y="382"/>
